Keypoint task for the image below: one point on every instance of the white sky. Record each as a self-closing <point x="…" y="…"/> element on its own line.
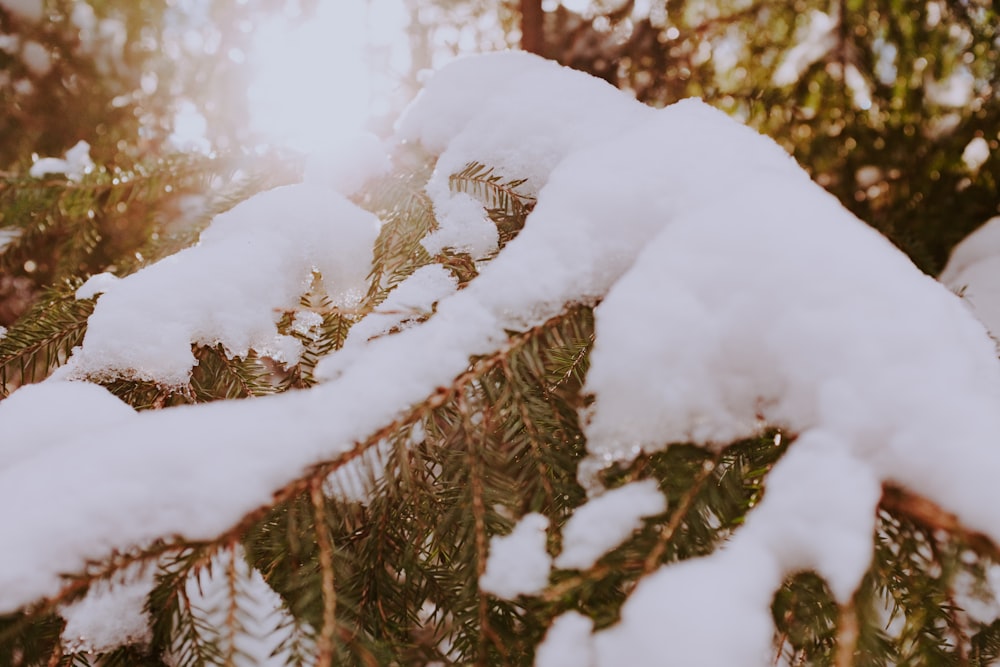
<point x="314" y="87"/>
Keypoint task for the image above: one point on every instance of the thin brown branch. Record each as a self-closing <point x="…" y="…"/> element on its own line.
<point x="555" y="592"/>
<point x="232" y="623"/>
<point x="324" y="644"/>
<point x="534" y="438"/>
<point x="847" y="636"/>
<point x="920" y="510"/>
<point x="484" y="184"/>
<point x="782" y="638"/>
<point x="479" y="520"/>
<point x="677" y="518"/>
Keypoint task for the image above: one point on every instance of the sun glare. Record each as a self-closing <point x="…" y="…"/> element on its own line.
<point x="313" y="87"/>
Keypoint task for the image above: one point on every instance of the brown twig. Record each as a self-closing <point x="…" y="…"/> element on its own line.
<point x="921" y="510"/>
<point x="324" y="643"/>
<point x="667" y="531"/>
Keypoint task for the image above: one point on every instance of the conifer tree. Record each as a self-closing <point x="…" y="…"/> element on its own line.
<point x="379" y="551"/>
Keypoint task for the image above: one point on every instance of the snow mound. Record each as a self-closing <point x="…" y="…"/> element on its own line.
<point x="252" y="263"/>
<point x="518" y="563"/>
<point x="605" y="522"/>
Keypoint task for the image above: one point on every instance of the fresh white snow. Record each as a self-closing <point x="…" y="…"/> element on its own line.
<point x="976" y="153"/>
<point x="568" y="643"/>
<point x="110" y="614"/>
<point x="74" y="164"/>
<point x="252" y="263"/>
<point x="815" y="40"/>
<point x="734" y="292"/>
<point x="518" y="563"/>
<point x="973" y="270"/>
<point x="32" y="10"/>
<point x="605" y="522"/>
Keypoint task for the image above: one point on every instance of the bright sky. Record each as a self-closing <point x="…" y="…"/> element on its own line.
<point x="314" y="87"/>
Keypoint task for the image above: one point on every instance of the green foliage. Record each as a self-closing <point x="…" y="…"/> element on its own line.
<point x="28" y="639"/>
<point x="407" y="216"/>
<point x="42" y="339"/>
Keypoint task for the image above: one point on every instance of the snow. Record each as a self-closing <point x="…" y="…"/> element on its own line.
<point x="109" y="615"/>
<point x="794" y="525"/>
<point x="307" y="323"/>
<point x="725" y="304"/>
<point x="518" y="563"/>
<point x="413" y="297"/>
<point x="99" y="283"/>
<point x="252" y="263"/>
<point x="974" y="271"/>
<point x="464" y="227"/>
<point x="605" y="522"/>
<point x="567" y="643"/>
<point x="74" y="164"/>
<point x="36" y="58"/>
<point x="31" y="10"/>
<point x="82" y="406"/>
<point x="815" y="40"/>
<point x="976" y="153"/>
<point x="471" y="110"/>
<point x="696" y="613"/>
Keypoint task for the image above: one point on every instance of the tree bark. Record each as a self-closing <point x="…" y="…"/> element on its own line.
<point x="532" y="21"/>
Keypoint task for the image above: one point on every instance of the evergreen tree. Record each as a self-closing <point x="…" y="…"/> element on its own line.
<point x="379" y="552"/>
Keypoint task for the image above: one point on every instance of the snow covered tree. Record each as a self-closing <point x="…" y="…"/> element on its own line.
<point x="548" y="376"/>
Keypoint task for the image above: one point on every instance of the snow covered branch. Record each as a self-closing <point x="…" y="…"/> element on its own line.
<point x="729" y="295"/>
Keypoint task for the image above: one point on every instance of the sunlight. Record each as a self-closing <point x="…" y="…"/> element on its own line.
<point x="313" y="86"/>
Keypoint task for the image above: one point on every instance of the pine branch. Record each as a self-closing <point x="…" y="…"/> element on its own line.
<point x="144" y="395"/>
<point x="330" y="335"/>
<point x="476" y="492"/>
<point x="219" y="376"/>
<point x="27" y="639"/>
<point x="533" y="433"/>
<point x="42" y="339"/>
<point x="407" y="217"/>
<point x="496" y="193"/>
<point x="69" y="227"/>
<point x="505" y="205"/>
<point x="666" y="532"/>
<point x="328" y="630"/>
<point x="847" y="636"/>
<point x="176" y="628"/>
